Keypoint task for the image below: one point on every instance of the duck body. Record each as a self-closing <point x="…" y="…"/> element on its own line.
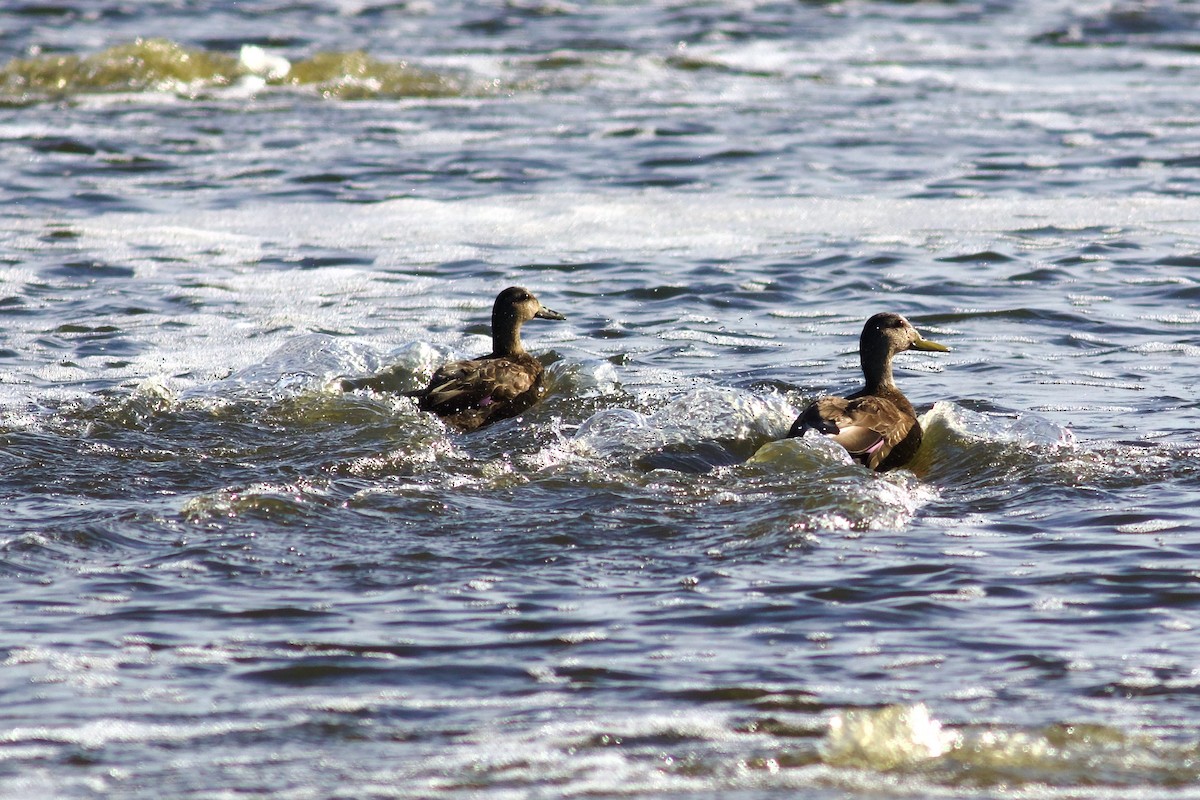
<point x="877" y="425"/>
<point x="879" y="432"/>
<point x="473" y="393"/>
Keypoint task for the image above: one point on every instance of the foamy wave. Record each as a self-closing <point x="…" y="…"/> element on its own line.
<point x="886" y="738"/>
<point x="282" y="500"/>
<point x="710" y="413"/>
<point x="951" y="420"/>
<point x="161" y="65"/>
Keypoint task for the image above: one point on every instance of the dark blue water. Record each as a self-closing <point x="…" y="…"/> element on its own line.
<point x="226" y="577"/>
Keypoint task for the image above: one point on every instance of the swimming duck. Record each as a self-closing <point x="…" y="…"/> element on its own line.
<point x="476" y="392"/>
<point x="877" y="425"/>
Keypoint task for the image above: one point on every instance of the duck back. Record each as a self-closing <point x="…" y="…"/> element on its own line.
<point x="472" y="393"/>
<point x="879" y="430"/>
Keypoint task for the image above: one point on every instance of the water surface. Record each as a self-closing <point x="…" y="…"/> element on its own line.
<point x="226" y="577"/>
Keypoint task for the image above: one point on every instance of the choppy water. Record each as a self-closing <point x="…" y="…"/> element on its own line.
<point x="225" y="578"/>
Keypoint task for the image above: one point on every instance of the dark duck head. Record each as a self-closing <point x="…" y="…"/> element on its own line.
<point x="477" y="392"/>
<point x="513" y="308"/>
<point x="877" y="425"/>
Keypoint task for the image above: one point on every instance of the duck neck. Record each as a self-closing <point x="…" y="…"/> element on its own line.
<point x="877" y="370"/>
<point x="506" y="335"/>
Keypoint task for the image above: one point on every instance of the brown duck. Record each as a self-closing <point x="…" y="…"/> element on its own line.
<point x="877" y="425"/>
<point x="476" y="392"/>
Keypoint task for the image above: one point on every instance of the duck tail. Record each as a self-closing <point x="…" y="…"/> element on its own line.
<point x="811" y="419"/>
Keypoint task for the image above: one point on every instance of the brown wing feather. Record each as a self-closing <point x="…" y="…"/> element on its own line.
<point x="859" y="441"/>
<point x="470" y="394"/>
<point x="869" y="427"/>
<point x="885" y="419"/>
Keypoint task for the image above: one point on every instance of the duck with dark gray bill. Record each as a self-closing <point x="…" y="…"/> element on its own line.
<point x="473" y="393"/>
<point x="877" y="425"/>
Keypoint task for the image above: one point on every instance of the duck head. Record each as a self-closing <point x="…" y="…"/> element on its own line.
<point x="514" y="307"/>
<point x="882" y="337"/>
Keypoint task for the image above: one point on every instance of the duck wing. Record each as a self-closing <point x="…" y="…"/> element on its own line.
<point x="477" y="383"/>
<point x="822" y="415"/>
<point x="869" y="427"/>
<point x="471" y="394"/>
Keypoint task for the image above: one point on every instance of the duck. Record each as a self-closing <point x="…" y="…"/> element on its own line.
<point x="473" y="393"/>
<point x="877" y="425"/>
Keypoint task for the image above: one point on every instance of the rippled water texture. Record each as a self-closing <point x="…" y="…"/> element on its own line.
<point x="226" y="577"/>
